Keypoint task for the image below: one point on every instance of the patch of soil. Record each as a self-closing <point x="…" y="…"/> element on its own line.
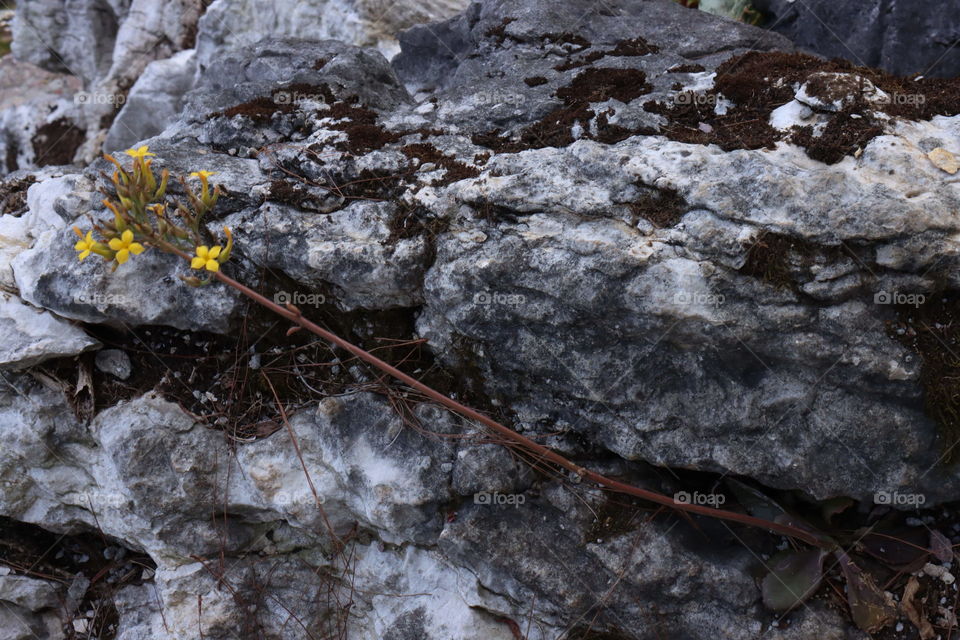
<point x="932" y="331"/>
<point x="455" y="170"/>
<point x="759" y="82"/>
<point x="35" y="552"/>
<point x="535" y="81"/>
<point x="57" y="142"/>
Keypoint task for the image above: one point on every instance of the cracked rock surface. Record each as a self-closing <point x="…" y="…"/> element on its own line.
<point x="563" y="208"/>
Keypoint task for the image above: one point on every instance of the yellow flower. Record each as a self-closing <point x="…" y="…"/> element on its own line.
<point x="206" y="258"/>
<point x="124" y="245"/>
<point x="203" y="175"/>
<point x="85" y="245"/>
<point x="140" y="153"/>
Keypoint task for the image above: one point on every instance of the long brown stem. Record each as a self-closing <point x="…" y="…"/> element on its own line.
<point x="293" y="314"/>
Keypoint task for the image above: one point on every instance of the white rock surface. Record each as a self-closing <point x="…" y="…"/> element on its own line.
<point x="28" y="336"/>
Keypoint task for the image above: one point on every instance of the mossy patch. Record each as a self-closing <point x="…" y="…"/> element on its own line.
<point x="784" y="261"/>
<point x="556" y="128"/>
<point x="454" y="170"/>
<point x="932" y="330"/>
<point x="662" y="207"/>
<point x="759" y="82"/>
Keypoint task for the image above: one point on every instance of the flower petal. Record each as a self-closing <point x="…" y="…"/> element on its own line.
<point x="80" y="246"/>
<point x="197" y="263"/>
<point x="116" y="244"/>
<point x="203" y="251"/>
<point x="122" y="256"/>
<point x="84" y="254"/>
<point x="127" y="236"/>
<point x="213" y="265"/>
<point x="136" y="248"/>
<point x="214" y="252"/>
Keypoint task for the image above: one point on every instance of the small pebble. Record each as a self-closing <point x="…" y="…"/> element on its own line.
<point x="115" y="362"/>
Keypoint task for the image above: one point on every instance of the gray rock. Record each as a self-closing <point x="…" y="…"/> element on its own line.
<point x="351" y="251"/>
<point x="901" y="36"/>
<point x="602" y="288"/>
<point x="31" y="336"/>
<point x="30" y="593"/>
<point x="241" y="23"/>
<point x="115" y="362"/>
<point x="146" y="290"/>
<point x="154" y="102"/>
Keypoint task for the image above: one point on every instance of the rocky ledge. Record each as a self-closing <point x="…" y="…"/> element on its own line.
<point x="665" y="244"/>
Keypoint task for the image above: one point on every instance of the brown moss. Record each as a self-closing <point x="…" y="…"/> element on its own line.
<point x="932" y="331"/>
<point x="499" y="33"/>
<point x="841" y="137"/>
<point x="598" y="85"/>
<point x="687" y="68"/>
<point x="364" y="133"/>
<point x="575" y="63"/>
<point x="767" y="259"/>
<point x="555" y="128"/>
<point x="633" y="47"/>
<point x="785" y="262"/>
<point x="454" y="169"/>
<point x="663" y="207"/>
<point x="759" y="82"/>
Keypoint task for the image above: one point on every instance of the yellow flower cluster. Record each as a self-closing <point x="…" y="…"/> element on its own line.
<point x="140" y="218"/>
